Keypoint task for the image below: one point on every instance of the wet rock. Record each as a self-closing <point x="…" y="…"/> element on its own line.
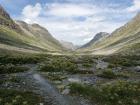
<point x="66" y="91"/>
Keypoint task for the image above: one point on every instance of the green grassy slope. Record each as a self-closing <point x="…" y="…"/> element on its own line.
<point x="119" y="40"/>
<point x="24" y="37"/>
<point x="42" y="38"/>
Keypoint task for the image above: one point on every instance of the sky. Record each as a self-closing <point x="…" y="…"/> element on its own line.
<point x="75" y="21"/>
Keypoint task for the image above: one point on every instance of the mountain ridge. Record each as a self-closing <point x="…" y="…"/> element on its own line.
<point x="20" y="35"/>
<point x="120" y="38"/>
<point x="97" y="37"/>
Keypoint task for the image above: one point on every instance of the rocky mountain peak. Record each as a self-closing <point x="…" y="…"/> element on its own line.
<point x="96" y="38"/>
<point x="6" y="20"/>
<point x="3" y="13"/>
<point x="100" y="35"/>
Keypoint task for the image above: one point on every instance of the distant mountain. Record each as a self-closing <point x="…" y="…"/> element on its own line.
<point x="125" y="39"/>
<point x="97" y="37"/>
<point x="68" y="45"/>
<point x="20" y="36"/>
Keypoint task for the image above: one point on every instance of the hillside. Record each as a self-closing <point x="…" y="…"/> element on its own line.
<point x="68" y="45"/>
<point x="124" y="39"/>
<point x="20" y="36"/>
<point x="98" y="37"/>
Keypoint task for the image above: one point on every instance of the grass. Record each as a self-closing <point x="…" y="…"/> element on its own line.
<point x="124" y="61"/>
<point x="10" y="68"/>
<point x="62" y="64"/>
<point x="12" y="79"/>
<point x="118" y="93"/>
<point x="110" y="74"/>
<point x="87" y="65"/>
<point x="13" y="97"/>
<point x="22" y="59"/>
<point x="56" y="76"/>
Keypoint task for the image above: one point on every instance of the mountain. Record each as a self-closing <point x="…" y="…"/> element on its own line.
<point x="6" y="20"/>
<point x="68" y="45"/>
<point x="41" y="37"/>
<point x="97" y="37"/>
<point x="125" y="39"/>
<point x="20" y="36"/>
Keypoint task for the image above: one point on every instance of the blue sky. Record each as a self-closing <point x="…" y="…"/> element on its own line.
<point x="75" y="21"/>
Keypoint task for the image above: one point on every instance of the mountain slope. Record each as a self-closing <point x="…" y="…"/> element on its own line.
<point x="98" y="36"/>
<point x="68" y="45"/>
<point x="120" y="40"/>
<point x="21" y="36"/>
<point x="41" y="37"/>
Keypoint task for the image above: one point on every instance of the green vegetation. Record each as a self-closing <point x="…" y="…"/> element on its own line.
<point x="118" y="93"/>
<point x="13" y="97"/>
<point x="125" y="61"/>
<point x="10" y="68"/>
<point x="56" y="76"/>
<point x="29" y="59"/>
<point x="108" y="74"/>
<point x="59" y="64"/>
<point x="10" y="79"/>
<point x="87" y="65"/>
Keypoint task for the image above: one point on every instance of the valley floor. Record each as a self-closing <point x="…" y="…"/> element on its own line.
<point x="69" y="80"/>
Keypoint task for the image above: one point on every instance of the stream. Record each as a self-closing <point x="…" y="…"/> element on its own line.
<point x="43" y="87"/>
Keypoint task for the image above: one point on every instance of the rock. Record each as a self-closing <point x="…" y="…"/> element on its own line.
<point x="101" y="65"/>
<point x="61" y="87"/>
<point x="66" y="91"/>
<point x="74" y="80"/>
<point x="137" y="68"/>
<point x="24" y="83"/>
<point x="41" y="104"/>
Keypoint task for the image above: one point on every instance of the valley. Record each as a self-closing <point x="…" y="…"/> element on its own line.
<point x="37" y="69"/>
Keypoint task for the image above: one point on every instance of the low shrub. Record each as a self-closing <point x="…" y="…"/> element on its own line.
<point x="13" y="97"/>
<point x="59" y="64"/>
<point x="108" y="74"/>
<point x="10" y="68"/>
<point x="126" y="61"/>
<point x="118" y="93"/>
<point x="19" y="59"/>
<point x="87" y="65"/>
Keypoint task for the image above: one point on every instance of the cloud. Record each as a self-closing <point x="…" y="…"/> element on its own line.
<point x="70" y="10"/>
<point x="135" y="7"/>
<point x="77" y="23"/>
<point x="30" y="12"/>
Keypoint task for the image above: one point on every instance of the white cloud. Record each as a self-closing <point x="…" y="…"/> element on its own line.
<point x="63" y="19"/>
<point x="29" y="12"/>
<point x="66" y="10"/>
<point x="135" y="7"/>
